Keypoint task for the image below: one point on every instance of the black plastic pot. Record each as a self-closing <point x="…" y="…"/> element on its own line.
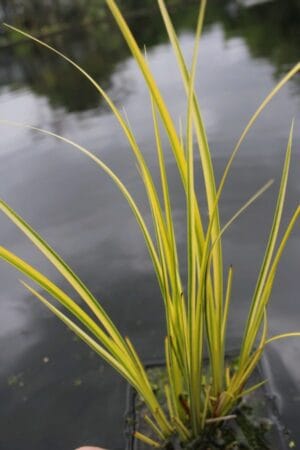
<point x="266" y="412"/>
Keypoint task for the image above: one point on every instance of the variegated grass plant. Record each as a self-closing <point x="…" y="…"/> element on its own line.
<point x="196" y="314"/>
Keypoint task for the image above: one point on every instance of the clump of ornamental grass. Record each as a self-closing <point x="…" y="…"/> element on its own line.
<point x="197" y="315"/>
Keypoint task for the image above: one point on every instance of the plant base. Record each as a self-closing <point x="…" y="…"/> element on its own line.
<point x="256" y="426"/>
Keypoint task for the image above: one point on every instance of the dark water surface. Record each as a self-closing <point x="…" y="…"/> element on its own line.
<point x="54" y="392"/>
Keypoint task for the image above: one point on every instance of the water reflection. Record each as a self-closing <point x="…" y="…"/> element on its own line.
<point x="84" y="217"/>
<point x="99" y="48"/>
<point x="270" y="31"/>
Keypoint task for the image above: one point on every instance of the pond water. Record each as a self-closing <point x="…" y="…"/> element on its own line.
<point x="55" y="393"/>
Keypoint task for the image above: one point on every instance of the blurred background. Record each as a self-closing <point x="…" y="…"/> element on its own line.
<point x="55" y="393"/>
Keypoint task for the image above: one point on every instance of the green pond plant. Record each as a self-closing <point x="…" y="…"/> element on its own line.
<point x="197" y="314"/>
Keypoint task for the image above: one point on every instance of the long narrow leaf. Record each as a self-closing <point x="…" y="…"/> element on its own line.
<point x="64" y="269"/>
<point x="119" y="184"/>
<point x="206" y="162"/>
<point x="270" y="247"/>
<point x="152" y="194"/>
<point x="82" y="335"/>
<point x="253" y="119"/>
<point x="193" y="256"/>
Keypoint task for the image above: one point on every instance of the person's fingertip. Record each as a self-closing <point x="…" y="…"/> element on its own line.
<point x="90" y="448"/>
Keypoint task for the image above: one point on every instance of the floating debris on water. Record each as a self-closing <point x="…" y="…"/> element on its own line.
<point x="77" y="382"/>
